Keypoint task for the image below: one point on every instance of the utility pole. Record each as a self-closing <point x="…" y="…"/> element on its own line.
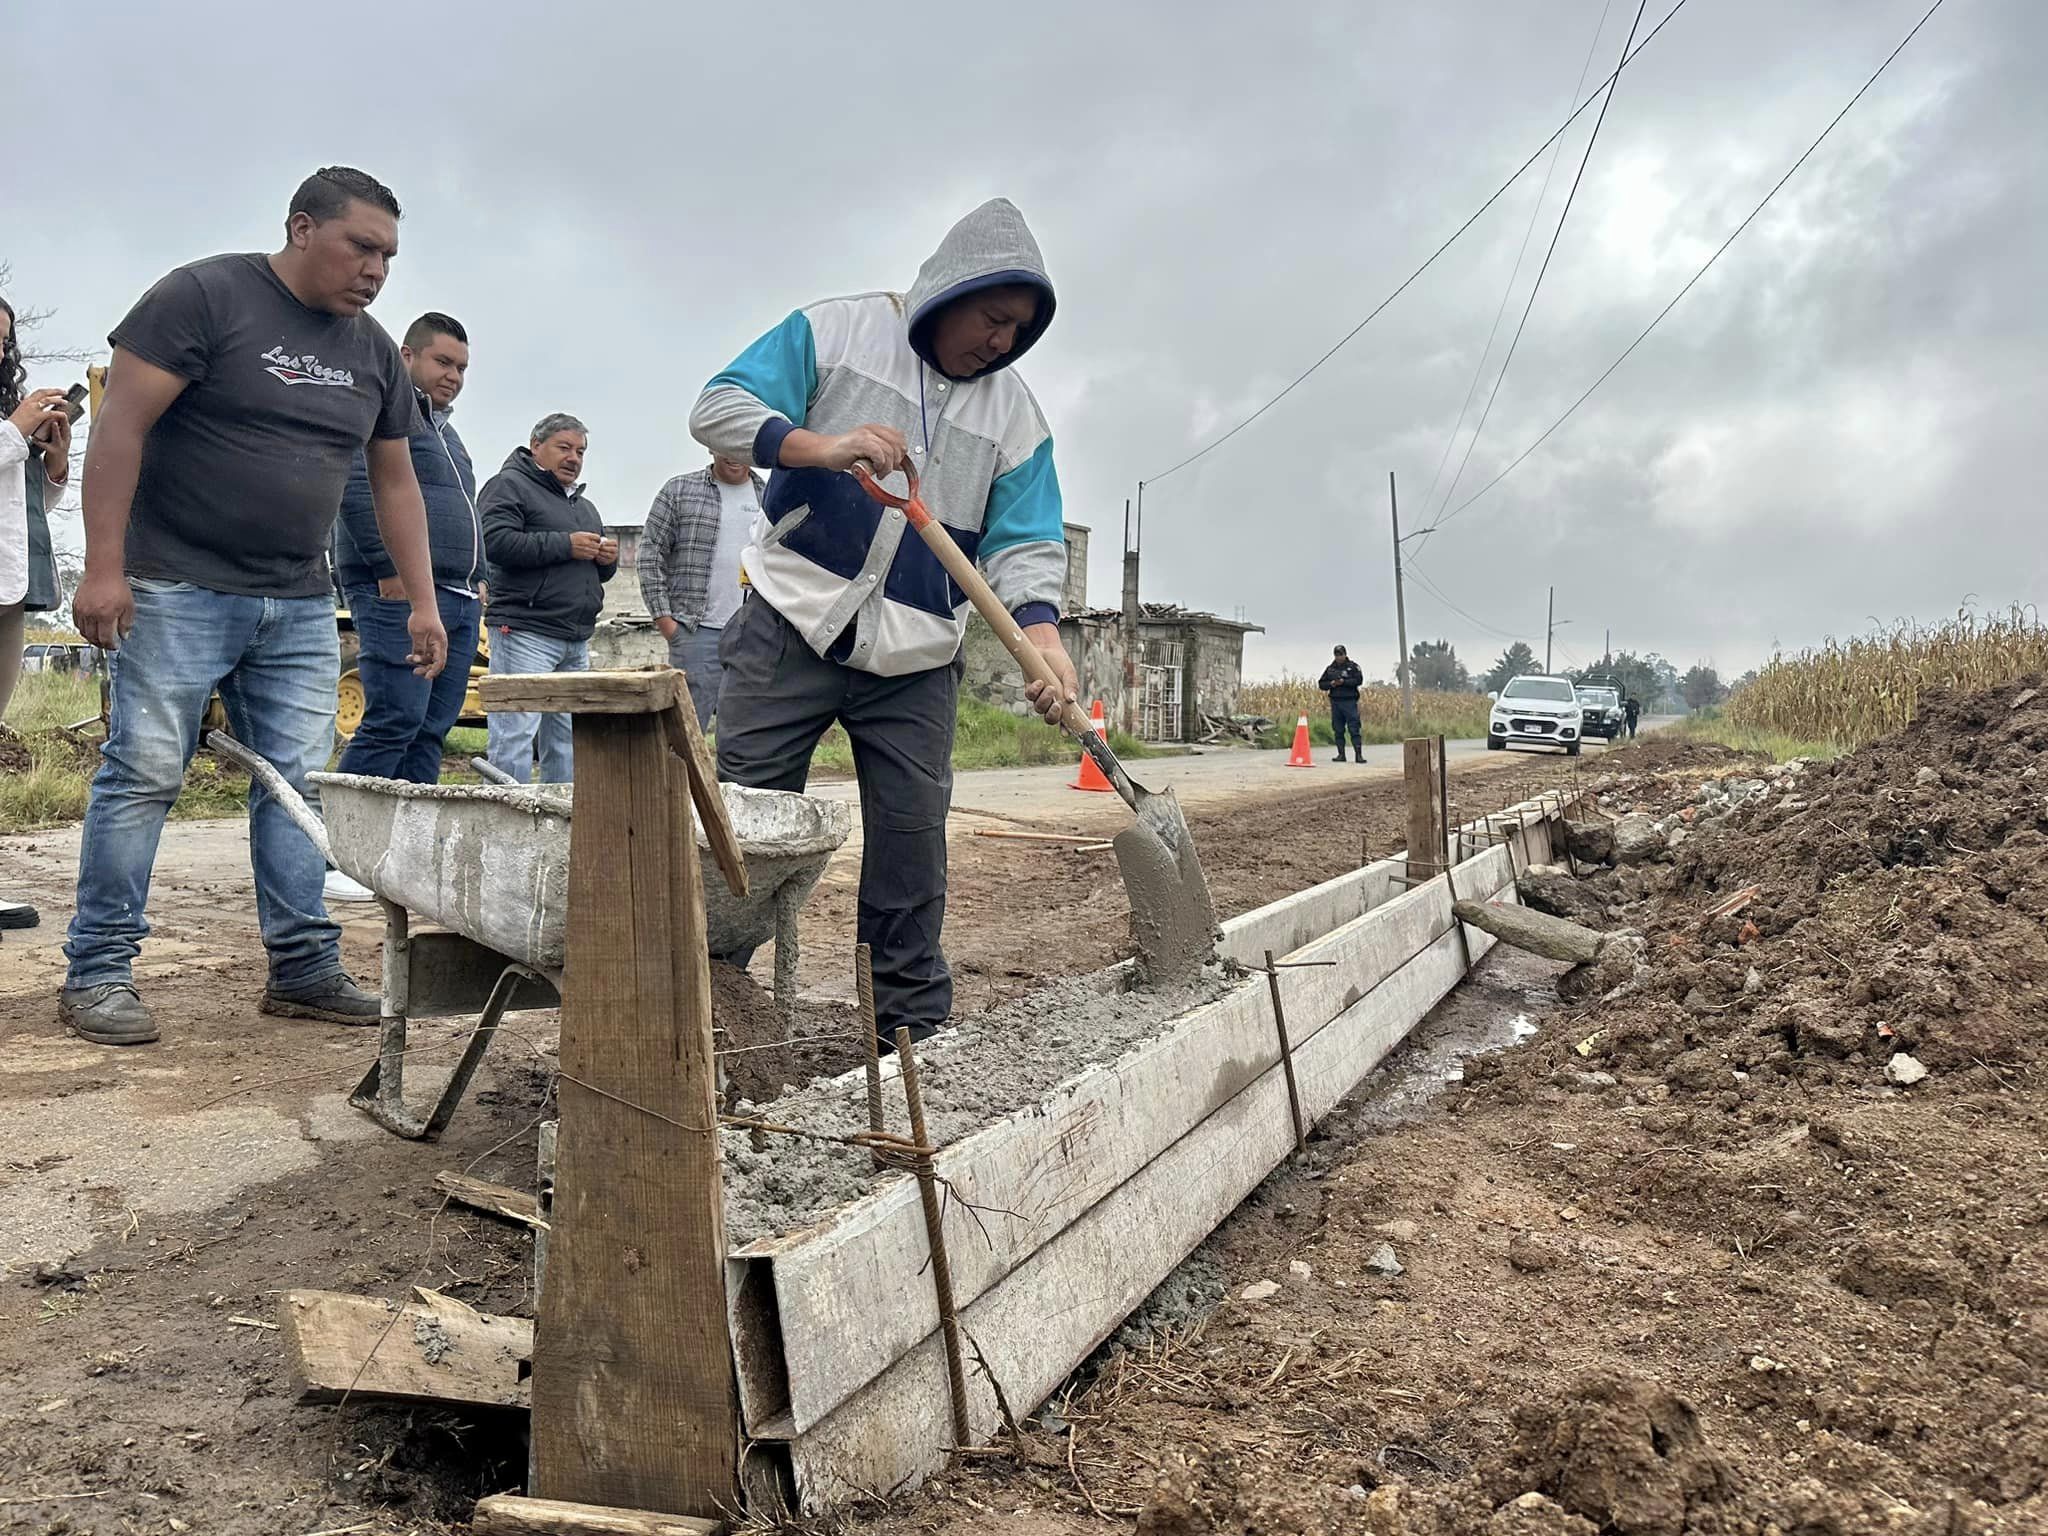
<point x="1400" y="607"/>
<point x="1607" y="649"/>
<point x="1549" y="627"/>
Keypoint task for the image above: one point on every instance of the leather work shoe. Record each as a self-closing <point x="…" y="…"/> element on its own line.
<point x="109" y="1014"/>
<point x="334" y="999"/>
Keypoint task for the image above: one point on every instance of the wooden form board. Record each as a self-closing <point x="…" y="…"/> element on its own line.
<point x="1038" y="1318"/>
<point x="436" y="1350"/>
<point x="842" y="1308"/>
<point x="817" y="1313"/>
<point x="1047" y="1315"/>
<point x="633" y="1394"/>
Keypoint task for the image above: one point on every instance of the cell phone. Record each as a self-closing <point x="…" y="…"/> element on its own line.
<point x="74" y="401"/>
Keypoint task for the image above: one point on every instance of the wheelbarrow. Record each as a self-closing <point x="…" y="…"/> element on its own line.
<point x="488" y="866"/>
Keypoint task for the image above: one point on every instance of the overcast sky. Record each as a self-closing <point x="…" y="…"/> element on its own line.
<point x="1834" y="426"/>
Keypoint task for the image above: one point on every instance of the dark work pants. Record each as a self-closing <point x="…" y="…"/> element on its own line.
<point x="1344" y="717"/>
<point x="406" y="718"/>
<point x="778" y="697"/>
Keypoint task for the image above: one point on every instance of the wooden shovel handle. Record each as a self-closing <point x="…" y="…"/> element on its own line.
<point x="969" y="580"/>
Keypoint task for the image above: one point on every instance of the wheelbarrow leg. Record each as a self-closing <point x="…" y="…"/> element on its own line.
<point x="479" y="1042"/>
<point x="381" y="1093"/>
<point x="786" y="903"/>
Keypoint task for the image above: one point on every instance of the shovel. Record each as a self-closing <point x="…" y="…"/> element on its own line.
<point x="1172" y="912"/>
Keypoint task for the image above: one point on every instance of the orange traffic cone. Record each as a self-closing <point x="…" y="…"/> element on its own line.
<point x="1090" y="776"/>
<point x="1302" y="756"/>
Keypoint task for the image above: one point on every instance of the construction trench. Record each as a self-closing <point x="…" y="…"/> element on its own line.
<point x="1086" y="1137"/>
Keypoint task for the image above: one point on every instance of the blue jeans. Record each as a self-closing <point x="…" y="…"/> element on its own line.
<point x="406" y="718"/>
<point x="695" y="655"/>
<point x="516" y="737"/>
<point x="274" y="662"/>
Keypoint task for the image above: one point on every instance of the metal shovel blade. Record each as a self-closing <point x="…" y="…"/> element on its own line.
<point x="1173" y="916"/>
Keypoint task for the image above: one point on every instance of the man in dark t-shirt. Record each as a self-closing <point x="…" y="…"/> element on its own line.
<point x="241" y="389"/>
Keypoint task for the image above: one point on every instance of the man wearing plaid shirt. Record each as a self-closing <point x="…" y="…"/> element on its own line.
<point x="690" y="567"/>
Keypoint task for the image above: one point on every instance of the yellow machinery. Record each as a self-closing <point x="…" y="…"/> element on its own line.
<point x="348" y="688"/>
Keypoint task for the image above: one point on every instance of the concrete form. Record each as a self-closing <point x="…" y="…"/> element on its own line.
<point x="1090" y="1198"/>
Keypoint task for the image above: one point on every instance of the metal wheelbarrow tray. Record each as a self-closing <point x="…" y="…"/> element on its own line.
<point x="490" y="864"/>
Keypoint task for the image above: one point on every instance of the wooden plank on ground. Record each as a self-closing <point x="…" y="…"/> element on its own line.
<point x="509" y="1514"/>
<point x="434" y="1350"/>
<point x="497" y="1199"/>
<point x="686" y="740"/>
<point x="633" y="1392"/>
<point x="580" y="693"/>
<point x="843" y="1308"/>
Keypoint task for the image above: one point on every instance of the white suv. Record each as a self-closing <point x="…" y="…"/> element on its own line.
<point x="1535" y="712"/>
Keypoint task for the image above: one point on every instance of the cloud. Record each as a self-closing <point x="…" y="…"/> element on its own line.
<point x="1836" y="423"/>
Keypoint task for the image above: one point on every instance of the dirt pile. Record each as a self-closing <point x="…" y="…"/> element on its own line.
<point x="1817" y="920"/>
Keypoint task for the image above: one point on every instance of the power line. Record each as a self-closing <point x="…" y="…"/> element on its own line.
<point x="1555" y="235"/>
<point x="1342" y="341"/>
<point x="1806" y="154"/>
<point x="1438" y="593"/>
<point x="1508" y="292"/>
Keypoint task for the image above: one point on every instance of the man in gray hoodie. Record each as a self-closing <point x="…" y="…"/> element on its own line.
<point x="849" y="616"/>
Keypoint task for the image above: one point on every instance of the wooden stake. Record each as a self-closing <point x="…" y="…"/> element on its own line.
<point x="1286" y="1056"/>
<point x="942" y="1272"/>
<point x="1425" y="827"/>
<point x="1443" y="789"/>
<point x="634" y="1398"/>
<point x="864" y="987"/>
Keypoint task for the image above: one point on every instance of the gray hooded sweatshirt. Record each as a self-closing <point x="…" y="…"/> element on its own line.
<point x="849" y="574"/>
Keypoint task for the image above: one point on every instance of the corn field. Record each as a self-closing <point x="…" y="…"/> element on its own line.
<point x="1849" y="693"/>
<point x="1461" y="715"/>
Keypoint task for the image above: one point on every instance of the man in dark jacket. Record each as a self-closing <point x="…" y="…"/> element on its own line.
<point x="406" y="717"/>
<point x="1341" y="680"/>
<point x="549" y="561"/>
<point x="1634" y="711"/>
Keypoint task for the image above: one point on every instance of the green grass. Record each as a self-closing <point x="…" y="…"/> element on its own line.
<point x="1713" y="726"/>
<point x="52" y="789"/>
<point x="988" y="737"/>
<point x="1458" y="725"/>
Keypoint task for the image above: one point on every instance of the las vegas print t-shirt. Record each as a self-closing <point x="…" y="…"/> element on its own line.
<point x="242" y="476"/>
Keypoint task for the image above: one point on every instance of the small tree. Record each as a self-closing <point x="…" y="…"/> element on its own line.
<point x="1701" y="687"/>
<point x="1434" y="664"/>
<point x="1516" y="661"/>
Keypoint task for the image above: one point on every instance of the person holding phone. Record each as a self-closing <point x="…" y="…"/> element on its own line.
<point x="550" y="558"/>
<point x="35" y="466"/>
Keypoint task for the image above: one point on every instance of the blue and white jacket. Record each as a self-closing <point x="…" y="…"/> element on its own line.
<point x="824" y="554"/>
